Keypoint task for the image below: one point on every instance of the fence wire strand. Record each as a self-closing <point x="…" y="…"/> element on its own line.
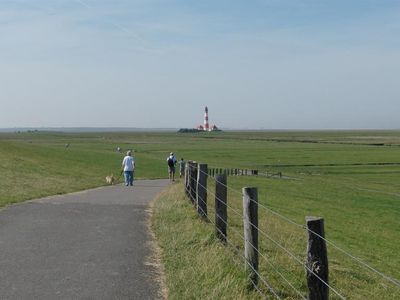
<point x="358" y="260"/>
<point x="283" y="248"/>
<point x="204" y="214"/>
<point x="279" y="245"/>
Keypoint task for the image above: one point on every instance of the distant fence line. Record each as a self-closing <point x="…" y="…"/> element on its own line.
<point x="316" y="264"/>
<point x="241" y="172"/>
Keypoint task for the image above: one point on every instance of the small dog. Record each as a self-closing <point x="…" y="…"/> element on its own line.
<point x="110" y="179"/>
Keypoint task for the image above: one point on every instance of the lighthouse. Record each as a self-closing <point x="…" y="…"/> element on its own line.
<point x="206" y="125"/>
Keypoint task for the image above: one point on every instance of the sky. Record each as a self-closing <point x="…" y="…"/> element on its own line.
<point x="257" y="64"/>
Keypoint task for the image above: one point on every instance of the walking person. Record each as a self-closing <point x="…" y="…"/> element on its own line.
<point x="171" y="161"/>
<point x="128" y="167"/>
<point x="181" y="167"/>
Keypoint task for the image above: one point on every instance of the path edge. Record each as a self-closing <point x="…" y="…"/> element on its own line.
<point x="155" y="258"/>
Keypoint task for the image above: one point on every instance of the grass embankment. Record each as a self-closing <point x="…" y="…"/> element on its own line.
<point x="190" y="249"/>
<point x="35" y="165"/>
<point x="197" y="266"/>
<point x="32" y="171"/>
<point x="340" y="179"/>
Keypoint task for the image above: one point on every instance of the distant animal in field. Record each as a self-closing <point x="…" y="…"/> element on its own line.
<point x="110" y="179"/>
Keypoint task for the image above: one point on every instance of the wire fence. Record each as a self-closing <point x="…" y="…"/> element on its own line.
<point x="280" y="272"/>
<point x="388" y="278"/>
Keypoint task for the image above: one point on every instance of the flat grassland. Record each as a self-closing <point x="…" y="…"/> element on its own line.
<point x="351" y="178"/>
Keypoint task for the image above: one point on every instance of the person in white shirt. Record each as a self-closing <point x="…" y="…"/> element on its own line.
<point x="128" y="167"/>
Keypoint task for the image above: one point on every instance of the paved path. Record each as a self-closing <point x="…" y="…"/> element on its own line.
<point x="86" y="245"/>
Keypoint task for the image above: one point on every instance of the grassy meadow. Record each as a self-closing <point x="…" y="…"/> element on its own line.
<point x="351" y="178"/>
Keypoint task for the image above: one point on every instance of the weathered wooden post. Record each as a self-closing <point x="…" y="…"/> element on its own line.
<point x="187" y="178"/>
<point x="317" y="260"/>
<point x="193" y="181"/>
<point x="221" y="215"/>
<point x="201" y="199"/>
<point x="250" y="222"/>
<point x="190" y="179"/>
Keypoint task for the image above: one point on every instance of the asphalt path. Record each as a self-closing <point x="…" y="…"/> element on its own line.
<point x="94" y="244"/>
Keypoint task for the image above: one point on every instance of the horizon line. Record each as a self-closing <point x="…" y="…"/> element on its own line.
<point x="124" y="128"/>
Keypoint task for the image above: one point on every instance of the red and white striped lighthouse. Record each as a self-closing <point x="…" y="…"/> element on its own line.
<point x="206" y="125"/>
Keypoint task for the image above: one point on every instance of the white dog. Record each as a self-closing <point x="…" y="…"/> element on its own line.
<point x="110" y="179"/>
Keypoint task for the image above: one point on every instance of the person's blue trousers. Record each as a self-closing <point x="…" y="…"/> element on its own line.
<point x="128" y="177"/>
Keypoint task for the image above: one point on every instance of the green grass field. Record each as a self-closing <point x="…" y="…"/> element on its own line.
<point x="351" y="178"/>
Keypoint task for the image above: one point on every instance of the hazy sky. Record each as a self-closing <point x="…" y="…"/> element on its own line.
<point x="273" y="64"/>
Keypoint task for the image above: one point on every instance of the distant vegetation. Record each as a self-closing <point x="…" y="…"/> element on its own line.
<point x="194" y="130"/>
<point x="188" y="130"/>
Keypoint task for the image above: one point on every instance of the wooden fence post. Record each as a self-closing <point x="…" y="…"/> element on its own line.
<point x="250" y="222"/>
<point x="317" y="260"/>
<point x="187" y="177"/>
<point x="201" y="199"/>
<point x="193" y="182"/>
<point x="221" y="216"/>
<point x="189" y="182"/>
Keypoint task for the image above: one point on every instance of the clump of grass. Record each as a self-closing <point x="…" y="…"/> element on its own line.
<point x="197" y="265"/>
